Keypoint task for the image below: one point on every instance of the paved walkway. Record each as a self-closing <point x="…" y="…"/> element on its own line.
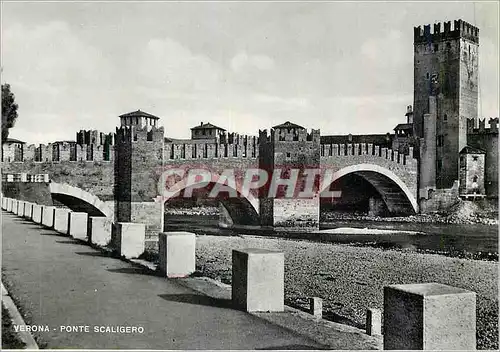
<point x="59" y="282"/>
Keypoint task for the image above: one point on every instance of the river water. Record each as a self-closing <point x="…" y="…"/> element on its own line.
<point x="469" y="240"/>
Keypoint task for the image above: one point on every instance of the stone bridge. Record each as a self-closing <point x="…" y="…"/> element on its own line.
<point x="88" y="186"/>
<point x="124" y="187"/>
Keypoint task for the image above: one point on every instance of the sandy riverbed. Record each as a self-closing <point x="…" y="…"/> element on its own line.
<point x="351" y="279"/>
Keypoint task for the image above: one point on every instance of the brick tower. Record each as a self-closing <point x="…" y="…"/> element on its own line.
<point x="288" y="148"/>
<point x="138" y="163"/>
<point x="446" y="67"/>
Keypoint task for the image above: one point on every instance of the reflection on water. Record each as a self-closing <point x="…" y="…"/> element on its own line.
<point x="472" y="240"/>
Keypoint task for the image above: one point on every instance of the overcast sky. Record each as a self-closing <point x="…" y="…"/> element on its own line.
<point x="341" y="67"/>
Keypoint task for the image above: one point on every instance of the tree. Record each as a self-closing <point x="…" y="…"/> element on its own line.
<point x="9" y="110"/>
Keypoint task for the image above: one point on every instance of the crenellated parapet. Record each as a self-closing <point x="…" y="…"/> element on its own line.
<point x="461" y="29"/>
<point x="139" y="133"/>
<point x="94" y="137"/>
<point x="235" y="138"/>
<point x="68" y="151"/>
<point x="481" y="128"/>
<point x="367" y="149"/>
<point x="240" y="148"/>
<point x="64" y="151"/>
<point x="292" y="135"/>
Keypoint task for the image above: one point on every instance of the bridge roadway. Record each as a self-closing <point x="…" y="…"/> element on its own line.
<point x="58" y="282"/>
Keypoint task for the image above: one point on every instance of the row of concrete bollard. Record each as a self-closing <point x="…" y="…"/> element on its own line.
<point x="177" y="249"/>
<point x="94" y="229"/>
<point x="428" y="316"/>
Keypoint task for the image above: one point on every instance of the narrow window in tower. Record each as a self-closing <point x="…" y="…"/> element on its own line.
<point x="440" y="140"/>
<point x="445" y="117"/>
<point x="436" y="47"/>
<point x="427" y="75"/>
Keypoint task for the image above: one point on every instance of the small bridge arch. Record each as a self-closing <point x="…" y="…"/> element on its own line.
<point x="78" y="199"/>
<point x="395" y="193"/>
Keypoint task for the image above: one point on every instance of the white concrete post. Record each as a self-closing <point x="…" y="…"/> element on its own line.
<point x="177" y="253"/>
<point x="28" y="210"/>
<point x="9" y="204"/>
<point x="316" y="307"/>
<point x="61" y="220"/>
<point x="20" y="208"/>
<point x="100" y="230"/>
<point x="373" y="321"/>
<point x="258" y="280"/>
<point x="429" y="316"/>
<point x="37" y="213"/>
<point x="48" y="215"/>
<point x="130" y="239"/>
<point x="78" y="225"/>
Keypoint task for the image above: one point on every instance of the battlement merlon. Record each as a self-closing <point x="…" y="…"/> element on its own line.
<point x="94" y="137"/>
<point x="461" y="29"/>
<point x="482" y="129"/>
<point x="136" y="133"/>
<point x="295" y="135"/>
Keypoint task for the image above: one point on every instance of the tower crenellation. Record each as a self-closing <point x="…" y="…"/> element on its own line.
<point x="481" y="127"/>
<point x="461" y="29"/>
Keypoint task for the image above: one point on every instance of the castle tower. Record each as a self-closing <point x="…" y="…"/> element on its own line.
<point x="446" y="67"/>
<point x="289" y="149"/>
<point x="138" y="166"/>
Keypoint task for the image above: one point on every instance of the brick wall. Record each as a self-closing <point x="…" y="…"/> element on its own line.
<point x="471" y="170"/>
<point x="440" y="200"/>
<point x="93" y="177"/>
<point x="487" y="140"/>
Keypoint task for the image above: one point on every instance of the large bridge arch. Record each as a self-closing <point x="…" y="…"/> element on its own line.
<point x="395" y="193"/>
<point x="78" y="199"/>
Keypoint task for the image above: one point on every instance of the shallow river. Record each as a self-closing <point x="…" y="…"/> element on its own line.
<point x="474" y="240"/>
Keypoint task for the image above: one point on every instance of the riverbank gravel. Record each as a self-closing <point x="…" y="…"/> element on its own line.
<point x="351" y="279"/>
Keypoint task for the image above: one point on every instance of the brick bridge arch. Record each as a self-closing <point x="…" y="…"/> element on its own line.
<point x="396" y="194"/>
<point x="79" y="200"/>
<point x="243" y="210"/>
